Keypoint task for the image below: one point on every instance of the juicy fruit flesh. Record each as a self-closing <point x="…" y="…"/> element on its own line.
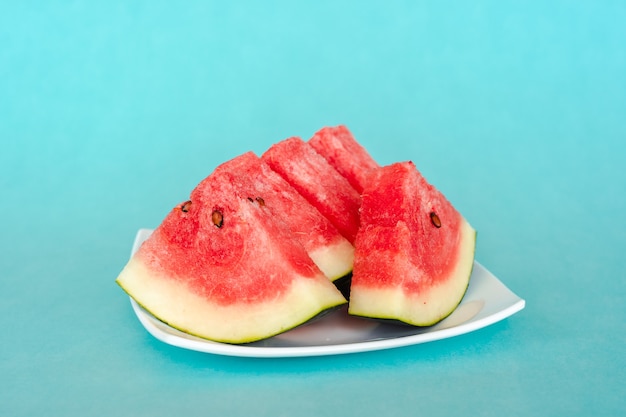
<point x="253" y="178"/>
<point x="210" y="254"/>
<point x="414" y="251"/>
<point x="317" y="181"/>
<point x="417" y="304"/>
<point x="237" y="322"/>
<point x="243" y="279"/>
<point x="338" y="146"/>
<point x="223" y="265"/>
<point x="400" y="193"/>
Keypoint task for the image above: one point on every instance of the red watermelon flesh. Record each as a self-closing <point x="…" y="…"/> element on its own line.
<point x="318" y="182"/>
<point x="414" y="252"/>
<point x="339" y="147"/>
<point x="330" y="251"/>
<point x="223" y="268"/>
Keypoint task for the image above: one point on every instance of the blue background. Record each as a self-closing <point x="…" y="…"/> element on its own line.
<point x="110" y="113"/>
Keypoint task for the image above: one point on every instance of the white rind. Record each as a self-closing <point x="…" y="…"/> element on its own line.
<point x="172" y="302"/>
<point x="335" y="261"/>
<point x="419" y="309"/>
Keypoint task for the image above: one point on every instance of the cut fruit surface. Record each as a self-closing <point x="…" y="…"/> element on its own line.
<point x="266" y="243"/>
<point x="223" y="268"/>
<point x="318" y="182"/>
<point x="254" y="179"/>
<point x="414" y="252"/>
<point x="339" y="147"/>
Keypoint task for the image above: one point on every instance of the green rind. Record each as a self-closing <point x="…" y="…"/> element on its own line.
<point x="336" y="260"/>
<point x="174" y="304"/>
<point x="397" y="321"/>
<point x="361" y="309"/>
<point x="320" y="314"/>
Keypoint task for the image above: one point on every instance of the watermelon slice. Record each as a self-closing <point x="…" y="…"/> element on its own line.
<point x="338" y="146"/>
<point x="330" y="251"/>
<point x="414" y="252"/>
<point x="223" y="268"/>
<point x="318" y="182"/>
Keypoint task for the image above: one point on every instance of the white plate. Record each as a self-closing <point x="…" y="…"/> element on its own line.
<point x="487" y="301"/>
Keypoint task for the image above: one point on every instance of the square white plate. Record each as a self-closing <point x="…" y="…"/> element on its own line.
<point x="486" y="302"/>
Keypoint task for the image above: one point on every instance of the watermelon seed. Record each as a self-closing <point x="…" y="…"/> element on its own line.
<point x="435" y="219"/>
<point x="250" y="199"/>
<point x="217" y="218"/>
<point x="185" y="206"/>
<point x="260" y="201"/>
